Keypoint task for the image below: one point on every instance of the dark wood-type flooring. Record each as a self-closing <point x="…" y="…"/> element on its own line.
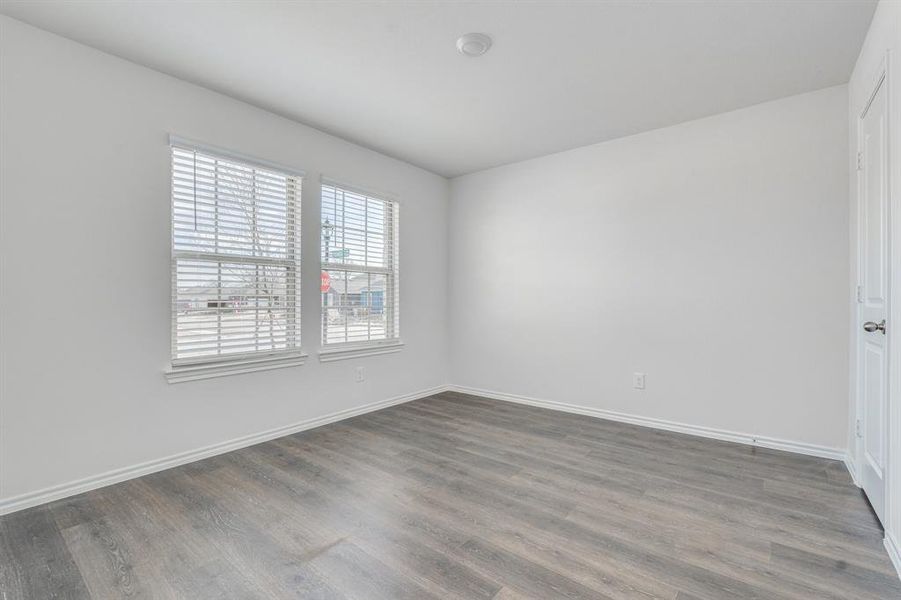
<point x="456" y="496"/>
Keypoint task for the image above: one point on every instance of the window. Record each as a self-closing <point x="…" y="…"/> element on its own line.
<point x="235" y="258"/>
<point x="359" y="268"/>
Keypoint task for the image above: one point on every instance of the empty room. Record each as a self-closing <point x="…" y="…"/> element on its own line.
<point x="444" y="299"/>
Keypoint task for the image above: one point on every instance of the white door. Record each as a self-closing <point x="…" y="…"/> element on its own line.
<point x="873" y="274"/>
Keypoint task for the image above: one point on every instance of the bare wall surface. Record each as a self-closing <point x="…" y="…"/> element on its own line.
<point x="712" y="256"/>
<point x="84" y="164"/>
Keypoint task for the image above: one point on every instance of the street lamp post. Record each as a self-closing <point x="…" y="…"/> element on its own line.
<point x="327" y="229"/>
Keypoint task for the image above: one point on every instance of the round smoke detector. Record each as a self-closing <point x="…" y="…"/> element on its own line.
<point x="473" y="44"/>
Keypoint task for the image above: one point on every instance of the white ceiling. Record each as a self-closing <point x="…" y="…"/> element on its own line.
<point x="560" y="74"/>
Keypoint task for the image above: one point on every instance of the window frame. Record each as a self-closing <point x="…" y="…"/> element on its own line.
<point x="351" y="349"/>
<point x="204" y="367"/>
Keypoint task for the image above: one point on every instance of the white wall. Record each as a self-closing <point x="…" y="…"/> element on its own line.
<point x="712" y="255"/>
<point x="883" y="39"/>
<point x="84" y="165"/>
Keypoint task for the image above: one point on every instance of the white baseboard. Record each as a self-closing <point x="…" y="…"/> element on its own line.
<point x="852" y="469"/>
<point x="22" y="501"/>
<point x="707" y="432"/>
<point x="894" y="551"/>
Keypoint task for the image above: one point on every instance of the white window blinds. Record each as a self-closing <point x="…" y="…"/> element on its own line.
<point x="359" y="267"/>
<point x="235" y="258"/>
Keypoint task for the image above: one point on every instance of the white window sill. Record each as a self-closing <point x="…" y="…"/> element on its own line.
<point x="180" y="373"/>
<point x="345" y="351"/>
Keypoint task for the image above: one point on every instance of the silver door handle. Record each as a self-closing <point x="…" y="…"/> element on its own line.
<point x="871" y="326"/>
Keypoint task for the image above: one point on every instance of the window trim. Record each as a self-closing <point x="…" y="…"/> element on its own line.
<point x="178" y="373"/>
<point x="192" y="369"/>
<point x="345" y="350"/>
<point x="182" y="142"/>
<point x="357" y="189"/>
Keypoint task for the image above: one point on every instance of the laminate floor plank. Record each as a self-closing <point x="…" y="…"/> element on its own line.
<point x="103" y="559"/>
<point x="37" y="558"/>
<point x="460" y="497"/>
<point x="506" y="520"/>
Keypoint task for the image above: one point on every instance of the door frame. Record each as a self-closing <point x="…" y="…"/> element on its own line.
<point x="881" y="75"/>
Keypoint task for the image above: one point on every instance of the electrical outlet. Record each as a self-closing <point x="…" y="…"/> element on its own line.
<point x="638" y="381"/>
<point x="360" y="374"/>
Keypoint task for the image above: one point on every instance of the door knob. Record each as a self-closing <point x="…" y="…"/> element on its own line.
<point x="871" y="326"/>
